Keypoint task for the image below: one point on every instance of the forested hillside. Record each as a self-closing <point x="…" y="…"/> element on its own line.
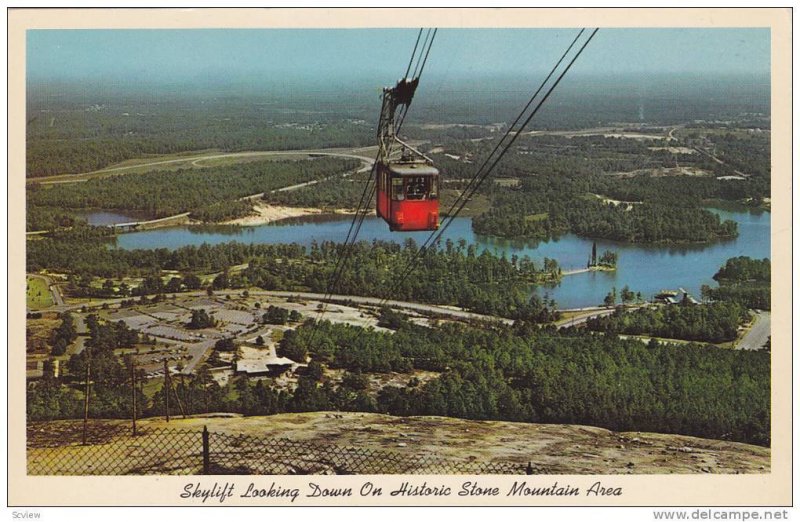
<point x="519" y="374"/>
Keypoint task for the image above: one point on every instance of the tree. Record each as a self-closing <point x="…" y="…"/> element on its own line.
<point x="626" y="295"/>
<point x="608" y="258"/>
<point x="611" y="297"/>
<point x="225" y="345"/>
<point x="293" y="347"/>
<point x="64" y="334"/>
<point x="276" y="315"/>
<point x="200" y="319"/>
<point x="108" y="287"/>
<point x="315" y="371"/>
<point x="192" y="282"/>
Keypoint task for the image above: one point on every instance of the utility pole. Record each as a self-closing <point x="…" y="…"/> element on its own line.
<point x="166" y="387"/>
<point x="177" y="399"/>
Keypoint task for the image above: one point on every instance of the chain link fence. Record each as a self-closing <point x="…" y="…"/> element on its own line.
<point x="179" y="452"/>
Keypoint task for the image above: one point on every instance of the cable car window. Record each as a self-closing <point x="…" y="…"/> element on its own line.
<point x="417" y="187"/>
<point x="397" y="189"/>
<point x="433" y="193"/>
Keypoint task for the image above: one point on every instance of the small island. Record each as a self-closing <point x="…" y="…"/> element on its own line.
<point x="607" y="261"/>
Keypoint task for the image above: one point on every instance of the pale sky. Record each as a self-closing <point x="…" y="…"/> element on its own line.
<point x="231" y="55"/>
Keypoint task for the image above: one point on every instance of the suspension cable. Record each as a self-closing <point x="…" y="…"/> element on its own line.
<point x="369" y="187"/>
<point x="436" y="235"/>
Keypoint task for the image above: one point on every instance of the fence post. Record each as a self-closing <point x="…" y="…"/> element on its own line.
<point x="166" y="387"/>
<point x="86" y="396"/>
<point x="133" y="393"/>
<point x="206" y="455"/>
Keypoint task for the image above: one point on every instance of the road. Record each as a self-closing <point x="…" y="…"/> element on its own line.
<point x="705" y="152"/>
<point x="197" y="350"/>
<point x="758" y="334"/>
<point x="375" y="301"/>
<point x="194" y="160"/>
<point x="443" y="310"/>
<point x="584" y="316"/>
<point x="447" y="311"/>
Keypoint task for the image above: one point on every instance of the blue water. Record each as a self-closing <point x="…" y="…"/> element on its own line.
<point x="645" y="269"/>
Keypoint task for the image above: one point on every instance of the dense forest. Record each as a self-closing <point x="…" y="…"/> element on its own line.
<point x="713" y="323"/>
<point x="507" y="373"/>
<point x="210" y="193"/>
<point x="82" y="130"/>
<point x="45" y="218"/>
<point x="554" y="185"/>
<point x="744" y="284"/>
<point x="743" y="280"/>
<point x="79" y="128"/>
<point x="452" y="273"/>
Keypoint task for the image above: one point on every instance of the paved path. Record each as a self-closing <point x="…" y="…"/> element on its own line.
<point x="758" y="334"/>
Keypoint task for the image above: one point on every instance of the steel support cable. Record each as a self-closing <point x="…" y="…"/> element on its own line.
<point x="421" y="68"/>
<point x="413" y="52"/>
<point x="516" y="134"/>
<point x="363" y="202"/>
<point x="424" y="44"/>
<point x="511" y="127"/>
<point x="369" y="188"/>
<point x="370" y="181"/>
<point x="436" y="235"/>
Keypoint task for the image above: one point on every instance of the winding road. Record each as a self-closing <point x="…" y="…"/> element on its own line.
<point x="196" y="159"/>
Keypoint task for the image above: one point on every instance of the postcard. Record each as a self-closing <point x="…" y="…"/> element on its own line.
<point x="391" y="257"/>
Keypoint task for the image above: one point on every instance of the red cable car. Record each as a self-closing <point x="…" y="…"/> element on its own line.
<point x="408" y="186"/>
<point x="408" y="194"/>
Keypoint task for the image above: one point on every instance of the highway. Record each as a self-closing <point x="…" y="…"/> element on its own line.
<point x="196" y="159"/>
<point x="758" y="334"/>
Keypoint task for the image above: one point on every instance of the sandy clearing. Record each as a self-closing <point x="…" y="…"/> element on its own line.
<point x="265" y="213"/>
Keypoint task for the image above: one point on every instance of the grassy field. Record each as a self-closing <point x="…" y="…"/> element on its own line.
<point x="477" y="205"/>
<point x="37" y="294"/>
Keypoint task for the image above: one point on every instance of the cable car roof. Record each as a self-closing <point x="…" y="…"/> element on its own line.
<point x="413" y="169"/>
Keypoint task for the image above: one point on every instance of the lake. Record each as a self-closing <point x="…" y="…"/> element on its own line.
<point x="644" y="268"/>
<point x="105" y="218"/>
